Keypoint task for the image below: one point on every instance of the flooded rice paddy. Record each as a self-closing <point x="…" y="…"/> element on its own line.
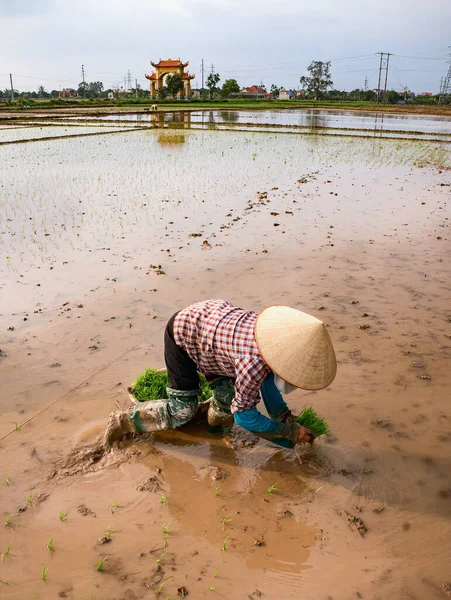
<point x="103" y="238"/>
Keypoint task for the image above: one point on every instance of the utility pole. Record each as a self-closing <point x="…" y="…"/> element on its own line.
<point x="83" y="78"/>
<point x="129" y="80"/>
<point x="383" y="66"/>
<point x="136" y="88"/>
<point x="365" y="85"/>
<point x="12" y="87"/>
<point x="202" y="71"/>
<point x="212" y="69"/>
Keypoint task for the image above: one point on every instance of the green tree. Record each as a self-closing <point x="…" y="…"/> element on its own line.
<point x="318" y="80"/>
<point x="174" y="84"/>
<point x="230" y="86"/>
<point x="83" y="89"/>
<point x="212" y="80"/>
<point x="41" y="92"/>
<point x="274" y="91"/>
<point x="94" y="89"/>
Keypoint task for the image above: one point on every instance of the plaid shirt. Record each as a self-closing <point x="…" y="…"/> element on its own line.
<point x="220" y="339"/>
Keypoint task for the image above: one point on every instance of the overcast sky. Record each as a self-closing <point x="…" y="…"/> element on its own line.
<point x="45" y="42"/>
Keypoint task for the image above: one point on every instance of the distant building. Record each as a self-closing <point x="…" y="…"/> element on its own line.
<point x="195" y="94"/>
<point x="67" y="93"/>
<point x="254" y="91"/>
<point x="426" y="94"/>
<point x="286" y="94"/>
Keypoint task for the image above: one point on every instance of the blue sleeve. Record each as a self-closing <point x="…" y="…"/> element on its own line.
<point x="272" y="398"/>
<point x="254" y="421"/>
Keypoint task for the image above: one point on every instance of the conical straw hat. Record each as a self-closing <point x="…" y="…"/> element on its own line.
<point x="296" y="346"/>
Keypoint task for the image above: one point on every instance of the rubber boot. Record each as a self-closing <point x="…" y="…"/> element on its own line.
<point x="153" y="415"/>
<point x="220" y="419"/>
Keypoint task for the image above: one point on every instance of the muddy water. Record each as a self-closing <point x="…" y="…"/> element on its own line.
<point x="354" y="231"/>
<point x="310" y="118"/>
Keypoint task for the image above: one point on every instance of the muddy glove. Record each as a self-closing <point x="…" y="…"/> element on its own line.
<point x="283" y="434"/>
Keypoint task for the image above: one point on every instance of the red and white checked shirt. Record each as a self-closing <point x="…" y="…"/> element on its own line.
<point x="220" y="339"/>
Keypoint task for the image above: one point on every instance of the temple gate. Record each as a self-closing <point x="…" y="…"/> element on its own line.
<point x="163" y="68"/>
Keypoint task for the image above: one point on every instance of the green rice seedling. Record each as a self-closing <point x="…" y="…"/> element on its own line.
<point x="224" y="521"/>
<point x="114" y="506"/>
<point x="50" y="547"/>
<point x="159" y="589"/>
<point x="63" y="516"/>
<point x="216" y="571"/>
<point x="272" y="488"/>
<point x="7" y="479"/>
<point x="3" y="580"/>
<point x="165" y="527"/>
<point x="224" y="544"/>
<point x="100" y="563"/>
<point x="7" y="551"/>
<point x="310" y="419"/>
<point x="44" y="572"/>
<point x="217" y="493"/>
<point x="212" y="588"/>
<point x="109" y="532"/>
<point x="311" y="488"/>
<point x="18" y="427"/>
<point x="164" y="499"/>
<point x="30" y="497"/>
<point x="152" y="384"/>
<point x="8" y="521"/>
<point x="162" y="558"/>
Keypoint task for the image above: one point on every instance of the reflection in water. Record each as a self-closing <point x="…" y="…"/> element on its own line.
<point x="171" y="138"/>
<point x="230" y="116"/>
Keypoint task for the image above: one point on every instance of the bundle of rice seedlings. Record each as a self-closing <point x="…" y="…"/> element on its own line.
<point x="152" y="384"/>
<point x="312" y="420"/>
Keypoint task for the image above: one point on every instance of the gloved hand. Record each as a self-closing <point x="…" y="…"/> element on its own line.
<point x="303" y="435"/>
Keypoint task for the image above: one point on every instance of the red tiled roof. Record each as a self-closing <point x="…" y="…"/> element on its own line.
<point x="169" y="63"/>
<point x="254" y="89"/>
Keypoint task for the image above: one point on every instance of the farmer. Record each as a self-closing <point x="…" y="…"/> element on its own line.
<point x="242" y="355"/>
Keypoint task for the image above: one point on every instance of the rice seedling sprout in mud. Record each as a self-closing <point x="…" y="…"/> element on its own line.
<point x="217" y="493"/>
<point x="8" y="521"/>
<point x="272" y="488"/>
<point x="152" y="384"/>
<point x="30" y="497"/>
<point x="310" y="419"/>
<point x="50" y="547"/>
<point x="63" y="516"/>
<point x="159" y="589"/>
<point x="162" y="558"/>
<point x="3" y="580"/>
<point x="164" y="499"/>
<point x="216" y="571"/>
<point x="114" y="506"/>
<point x="224" y="544"/>
<point x="44" y="572"/>
<point x="224" y="521"/>
<point x="7" y="480"/>
<point x="7" y="551"/>
<point x="100" y="563"/>
<point x="165" y="527"/>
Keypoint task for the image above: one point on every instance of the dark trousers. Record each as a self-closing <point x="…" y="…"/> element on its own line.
<point x="182" y="370"/>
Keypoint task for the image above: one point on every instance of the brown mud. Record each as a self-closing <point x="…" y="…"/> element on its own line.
<point x="363" y="241"/>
